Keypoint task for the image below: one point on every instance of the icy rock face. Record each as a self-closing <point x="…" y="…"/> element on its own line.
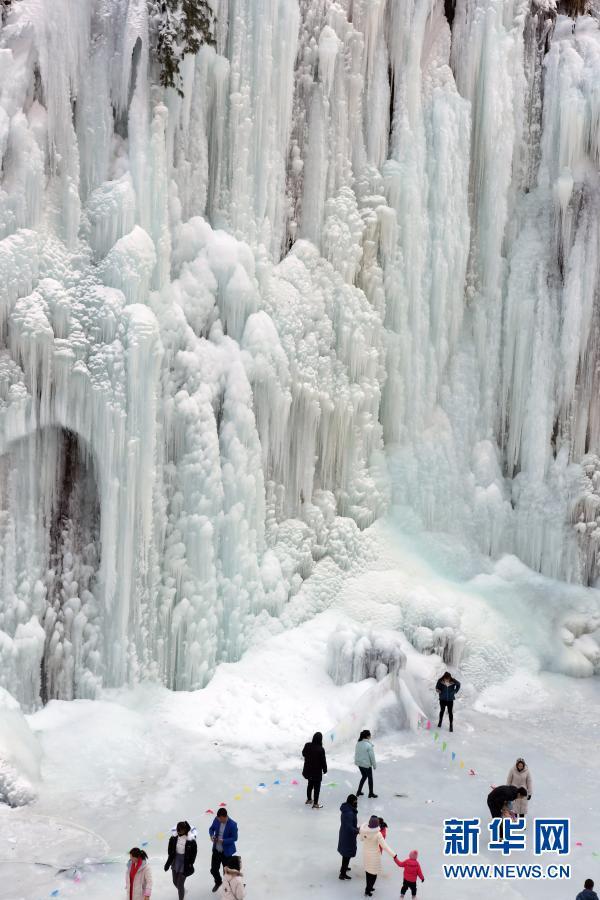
<point x="353" y="655"/>
<point x="188" y="422"/>
<point x="20" y="754"/>
<point x="354" y="226"/>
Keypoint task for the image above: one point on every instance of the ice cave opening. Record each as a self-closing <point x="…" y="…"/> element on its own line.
<point x="50" y="551"/>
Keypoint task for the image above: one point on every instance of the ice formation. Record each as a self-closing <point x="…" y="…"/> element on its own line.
<point x="360" y="227"/>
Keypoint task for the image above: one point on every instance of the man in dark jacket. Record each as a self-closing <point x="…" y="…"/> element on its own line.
<point x="224" y="834"/>
<point x="315" y="766"/>
<point x="505" y="793"/>
<point x="447" y="688"/>
<point x="181" y="855"/>
<point x="588" y="892"/>
<point x="348" y="832"/>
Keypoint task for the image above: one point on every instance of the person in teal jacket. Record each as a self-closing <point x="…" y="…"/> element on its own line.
<point x="364" y="758"/>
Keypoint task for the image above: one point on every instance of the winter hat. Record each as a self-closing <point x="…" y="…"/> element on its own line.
<point x="374" y="822"/>
<point x="413" y="854"/>
<point x="520" y="759"/>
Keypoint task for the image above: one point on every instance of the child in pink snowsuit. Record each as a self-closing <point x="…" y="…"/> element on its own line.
<point x="412" y="871"/>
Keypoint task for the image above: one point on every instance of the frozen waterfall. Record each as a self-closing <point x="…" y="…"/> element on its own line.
<point x="360" y="230"/>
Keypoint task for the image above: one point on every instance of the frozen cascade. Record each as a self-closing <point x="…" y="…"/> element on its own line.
<point x="359" y="228"/>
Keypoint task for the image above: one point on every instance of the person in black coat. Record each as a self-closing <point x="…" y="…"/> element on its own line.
<point x="447" y="688"/>
<point x="315" y="766"/>
<point x="505" y="793"/>
<point x="181" y="855"/>
<point x="348" y="832"/>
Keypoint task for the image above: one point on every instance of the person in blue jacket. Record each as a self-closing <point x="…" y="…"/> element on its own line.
<point x="364" y="758"/>
<point x="447" y="688"/>
<point x="348" y="832"/>
<point x="223" y="833"/>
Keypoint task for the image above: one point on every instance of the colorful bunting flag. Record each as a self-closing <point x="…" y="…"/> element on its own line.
<point x="210" y="812"/>
<point x="444" y="745"/>
<point x="436" y="736"/>
<point x="453" y="756"/>
<point x="428" y="726"/>
<point x="238" y="797"/>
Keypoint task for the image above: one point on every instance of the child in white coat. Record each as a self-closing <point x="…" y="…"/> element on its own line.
<point x="233" y="880"/>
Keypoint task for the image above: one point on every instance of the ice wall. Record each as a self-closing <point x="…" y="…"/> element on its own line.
<point x="187" y="421"/>
<point x="360" y="225"/>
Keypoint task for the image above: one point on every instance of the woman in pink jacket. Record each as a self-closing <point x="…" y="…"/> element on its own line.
<point x="412" y="871"/>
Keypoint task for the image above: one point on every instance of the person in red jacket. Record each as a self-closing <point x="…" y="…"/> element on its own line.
<point x="412" y="871"/>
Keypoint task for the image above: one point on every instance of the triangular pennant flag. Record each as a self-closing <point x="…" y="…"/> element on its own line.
<point x="419" y="723"/>
<point x="210" y="812"/>
<point x="453" y="756"/>
<point x="331" y="737"/>
<point x="578" y="844"/>
<point x="472" y="772"/>
<point x="294" y="781"/>
<point x="144" y="843"/>
<point x="428" y="726"/>
<point x="594" y="853"/>
<point x="238" y="797"/>
<point x="462" y="764"/>
<point x="247" y="790"/>
<point x="160" y="835"/>
<point x="332" y="784"/>
<point x="436" y="736"/>
<point x="277" y="781"/>
<point x="262" y="784"/>
<point x="222" y="803"/>
<point x="444" y="745"/>
<point x="54" y="893"/>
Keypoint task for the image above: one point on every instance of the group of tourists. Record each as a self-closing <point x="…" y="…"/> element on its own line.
<point x="181" y="855"/>
<point x="509" y="800"/>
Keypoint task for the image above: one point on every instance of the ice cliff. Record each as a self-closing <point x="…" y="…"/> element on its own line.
<point x="356" y="231"/>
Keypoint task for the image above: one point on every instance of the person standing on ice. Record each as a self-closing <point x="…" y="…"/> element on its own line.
<point x="447" y="688"/>
<point x="223" y="833"/>
<point x="364" y="758"/>
<point x="348" y="833"/>
<point x="315" y="766"/>
<point x="520" y="776"/>
<point x="138" y="877"/>
<point x="588" y="892"/>
<point x="181" y="855"/>
<point x="372" y="841"/>
<point x="412" y="871"/>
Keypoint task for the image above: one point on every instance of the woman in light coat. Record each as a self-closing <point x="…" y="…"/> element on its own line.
<point x="372" y="840"/>
<point x="364" y="758"/>
<point x="520" y="776"/>
<point x="138" y="877"/>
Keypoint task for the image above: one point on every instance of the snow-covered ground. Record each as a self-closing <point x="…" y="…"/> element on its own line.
<point x="121" y="771"/>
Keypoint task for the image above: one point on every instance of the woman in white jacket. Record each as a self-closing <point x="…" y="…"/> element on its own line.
<point x="520" y="776"/>
<point x="372" y="840"/>
<point x="138" y="877"/>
